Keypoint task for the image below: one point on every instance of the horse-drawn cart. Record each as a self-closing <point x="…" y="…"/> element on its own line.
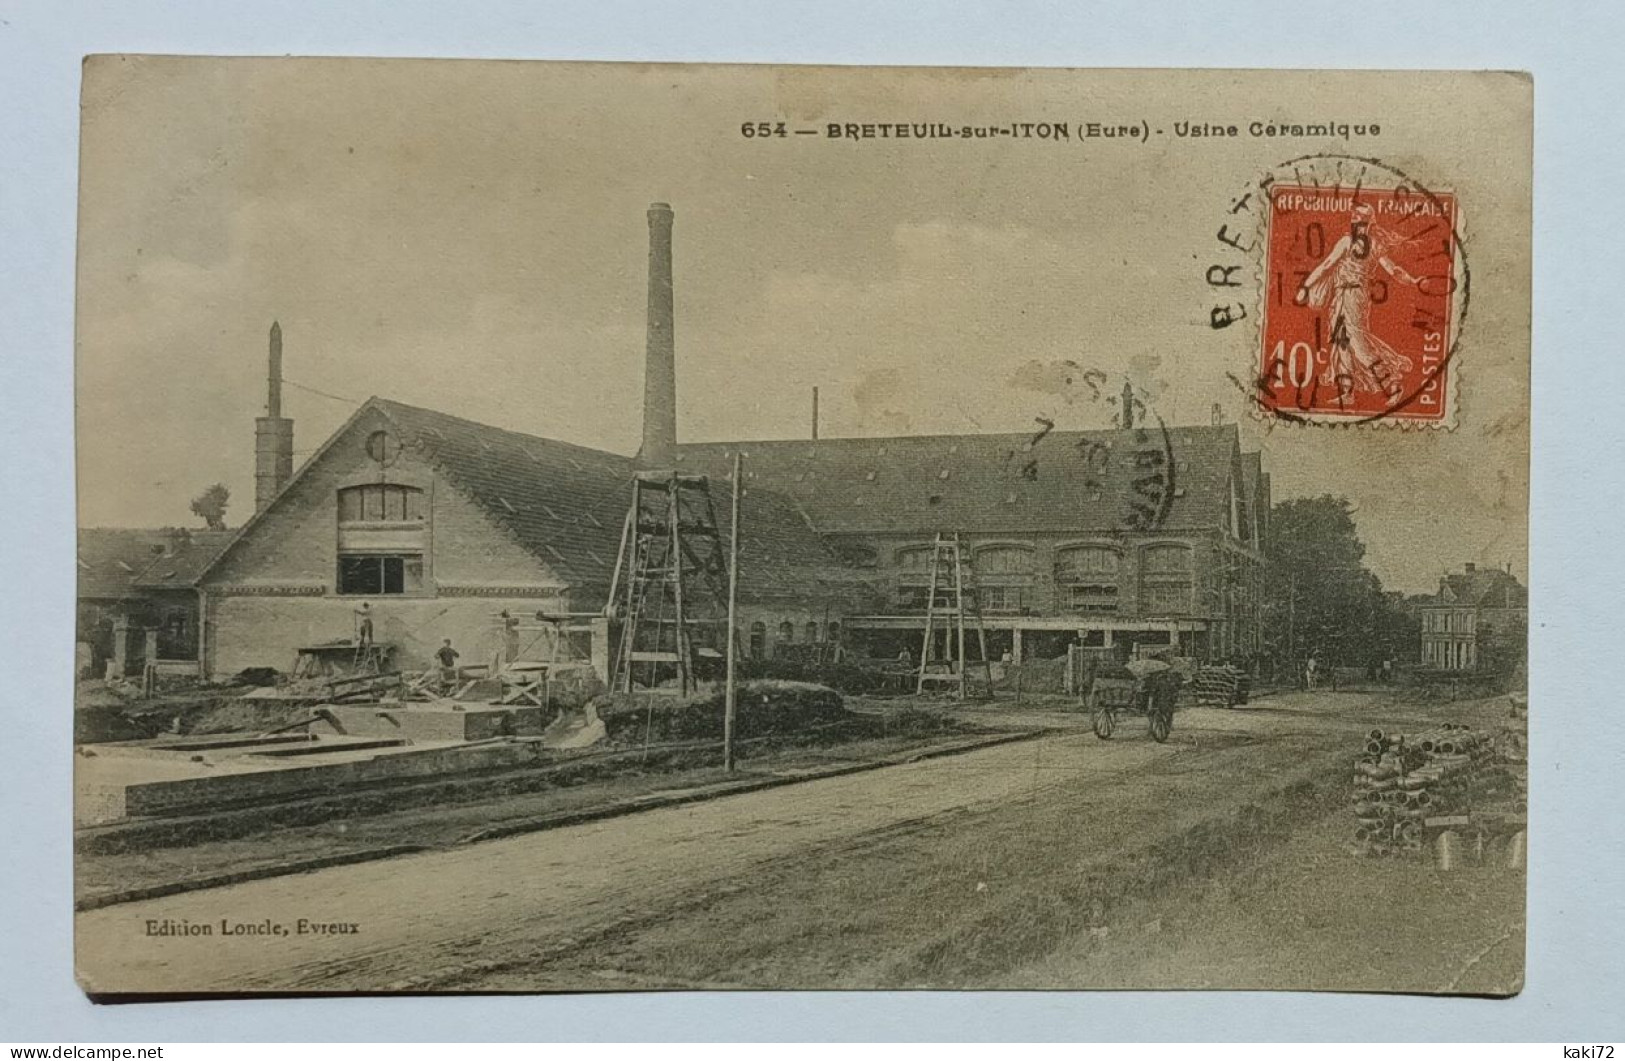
<point x="1152" y="695"/>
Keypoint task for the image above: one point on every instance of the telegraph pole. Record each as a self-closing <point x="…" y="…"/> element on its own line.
<point x="729" y="698"/>
<point x="1292" y="621"/>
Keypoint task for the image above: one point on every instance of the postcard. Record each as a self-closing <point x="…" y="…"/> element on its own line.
<point x="606" y="527"/>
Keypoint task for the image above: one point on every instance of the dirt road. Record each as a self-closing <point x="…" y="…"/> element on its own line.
<point x="876" y="879"/>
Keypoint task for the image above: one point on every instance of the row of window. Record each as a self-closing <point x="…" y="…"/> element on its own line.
<point x="1435" y="622"/>
<point x="1156" y="598"/>
<point x="1088" y="574"/>
<point x="787" y="632"/>
<point x="381" y="503"/>
<point x="1088" y="577"/>
<point x="1072" y="562"/>
<point x="374" y="575"/>
<point x="1450" y="655"/>
<point x="757" y="641"/>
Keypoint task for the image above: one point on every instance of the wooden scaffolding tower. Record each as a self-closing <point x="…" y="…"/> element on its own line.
<point x="951" y="606"/>
<point x="670" y="584"/>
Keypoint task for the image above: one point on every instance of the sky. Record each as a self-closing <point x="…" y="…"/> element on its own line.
<point x="471" y="237"/>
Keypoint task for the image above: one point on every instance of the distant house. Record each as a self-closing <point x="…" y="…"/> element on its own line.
<point x="1478" y="618"/>
<point x="136" y="598"/>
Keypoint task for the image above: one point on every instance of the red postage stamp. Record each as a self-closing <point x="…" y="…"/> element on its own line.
<point x="1359" y="301"/>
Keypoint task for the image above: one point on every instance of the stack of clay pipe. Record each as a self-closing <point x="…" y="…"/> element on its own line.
<point x="1402" y="780"/>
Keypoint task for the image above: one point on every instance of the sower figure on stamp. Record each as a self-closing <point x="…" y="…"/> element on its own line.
<point x="1343" y="280"/>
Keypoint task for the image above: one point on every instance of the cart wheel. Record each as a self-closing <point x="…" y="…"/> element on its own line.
<point x="1103" y="718"/>
<point x="1161" y="724"/>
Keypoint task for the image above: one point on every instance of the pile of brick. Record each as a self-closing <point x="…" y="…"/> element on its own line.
<point x="1435" y="787"/>
<point x="1220" y="686"/>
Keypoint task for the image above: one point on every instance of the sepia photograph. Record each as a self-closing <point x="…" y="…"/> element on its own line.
<point x="606" y="527"/>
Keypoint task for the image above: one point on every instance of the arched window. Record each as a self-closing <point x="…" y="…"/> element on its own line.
<point x="1087" y="576"/>
<point x="915" y="560"/>
<point x="758" y="640"/>
<point x="1004" y="575"/>
<point x="812" y="633"/>
<point x="913" y="577"/>
<point x="1166" y="579"/>
<point x="999" y="561"/>
<point x="381" y="539"/>
<point x="856" y="553"/>
<point x="787" y="632"/>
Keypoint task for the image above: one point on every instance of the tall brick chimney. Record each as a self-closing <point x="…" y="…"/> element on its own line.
<point x="659" y="448"/>
<point x="273" y="435"/>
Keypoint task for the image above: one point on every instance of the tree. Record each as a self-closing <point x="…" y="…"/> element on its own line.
<point x="1323" y="599"/>
<point x="211" y="504"/>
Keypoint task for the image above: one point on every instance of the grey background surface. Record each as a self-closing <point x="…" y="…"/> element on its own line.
<point x="1576" y="967"/>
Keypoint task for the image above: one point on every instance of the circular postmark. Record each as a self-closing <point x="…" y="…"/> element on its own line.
<point x="1130" y="469"/>
<point x="1354" y="276"/>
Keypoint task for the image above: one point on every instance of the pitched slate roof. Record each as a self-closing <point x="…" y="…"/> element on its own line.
<point x="110" y="558"/>
<point x="1484" y="587"/>
<point x="1253" y="489"/>
<point x="117" y="563"/>
<point x="187" y="558"/>
<point x="1062" y="481"/>
<point x="1252" y="467"/>
<point x="566" y="505"/>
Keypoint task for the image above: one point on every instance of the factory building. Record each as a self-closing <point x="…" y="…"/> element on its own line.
<point x="436" y="528"/>
<point x="1063" y="546"/>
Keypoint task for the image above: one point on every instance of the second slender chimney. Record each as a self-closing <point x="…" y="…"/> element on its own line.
<point x="660" y="357"/>
<point x="273" y="381"/>
<point x="273" y="435"/>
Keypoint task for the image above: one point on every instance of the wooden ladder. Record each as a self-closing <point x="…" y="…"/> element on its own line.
<point x="670" y="567"/>
<point x="952" y="602"/>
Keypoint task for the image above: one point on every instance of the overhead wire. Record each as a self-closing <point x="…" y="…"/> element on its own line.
<point x="324" y="394"/>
